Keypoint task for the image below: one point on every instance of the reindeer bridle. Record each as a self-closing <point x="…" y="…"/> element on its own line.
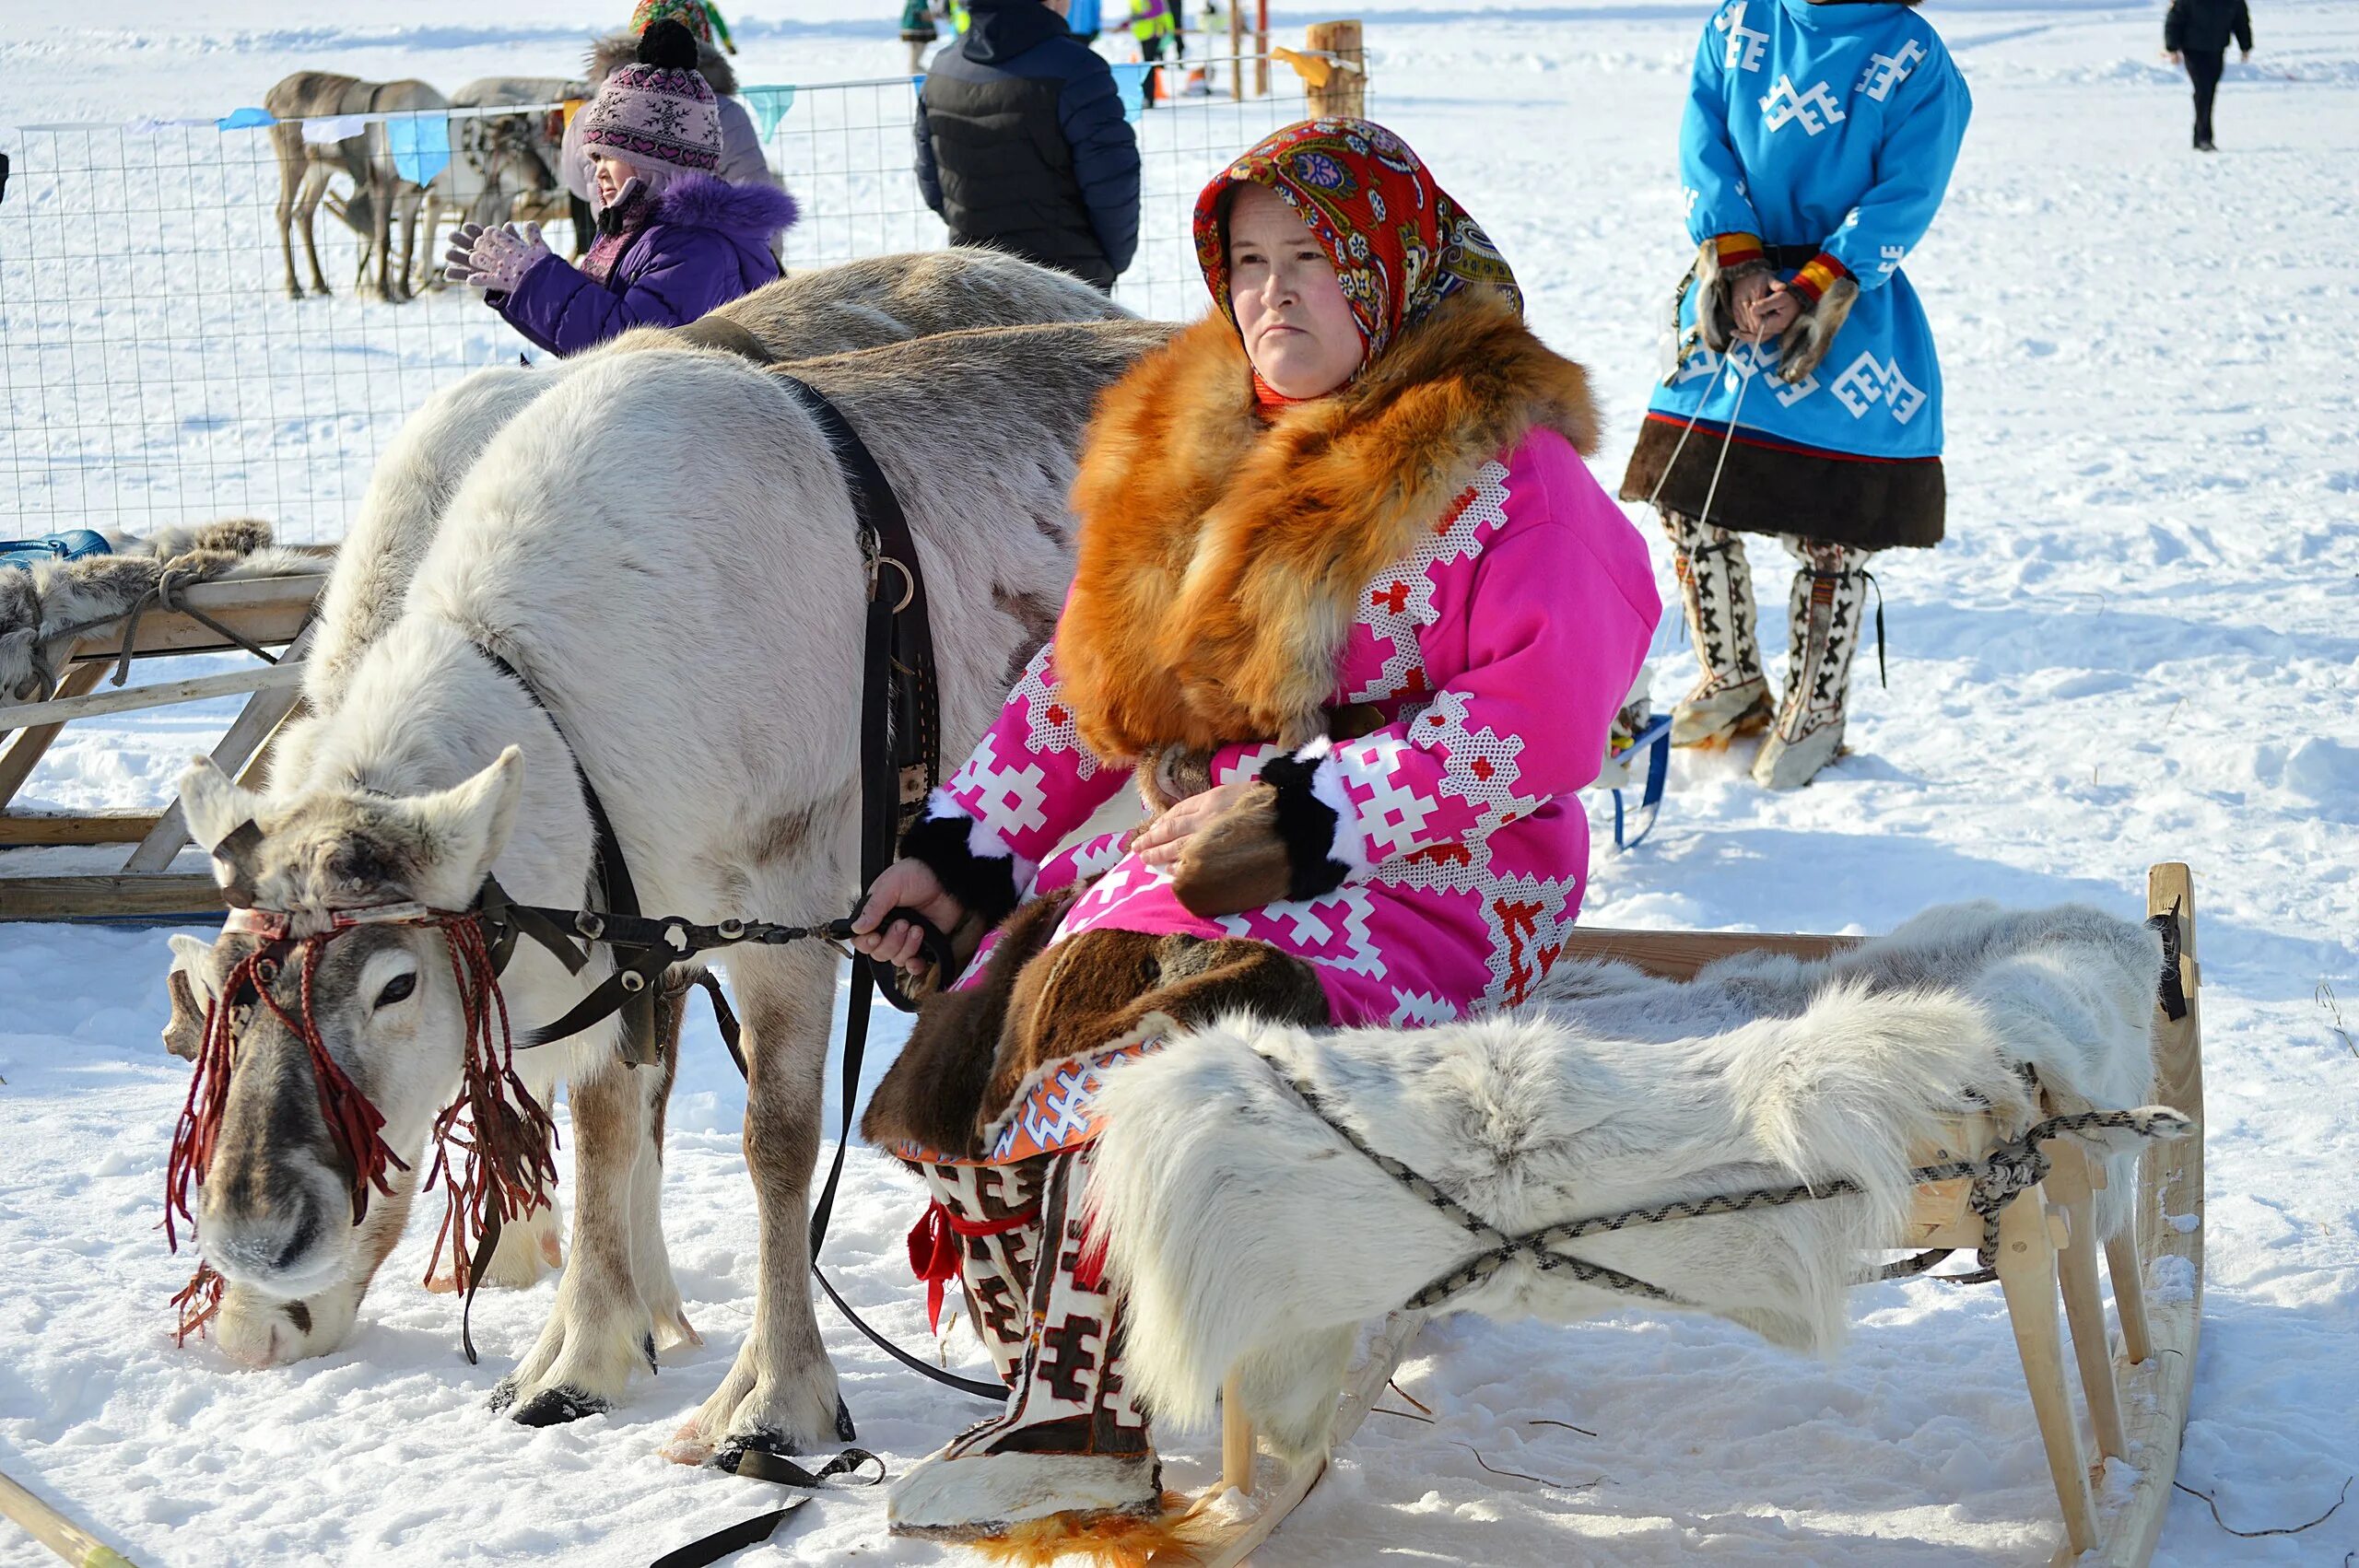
<point x="505" y="1136"/>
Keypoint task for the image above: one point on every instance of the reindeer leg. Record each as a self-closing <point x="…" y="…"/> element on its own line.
<point x="291" y="170"/>
<point x="650" y="1260"/>
<point x="315" y="185"/>
<point x="600" y="1332"/>
<point x="780" y="1395"/>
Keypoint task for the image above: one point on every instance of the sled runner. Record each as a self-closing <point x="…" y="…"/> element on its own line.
<point x="2134" y="1388"/>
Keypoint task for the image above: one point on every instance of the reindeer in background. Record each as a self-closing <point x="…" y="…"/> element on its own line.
<point x="379" y="192"/>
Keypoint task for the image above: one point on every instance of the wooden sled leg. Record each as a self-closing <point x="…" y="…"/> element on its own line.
<point x="2128" y="1272"/>
<point x="2027" y="1274"/>
<point x="2070" y="1181"/>
<point x="1235" y="1440"/>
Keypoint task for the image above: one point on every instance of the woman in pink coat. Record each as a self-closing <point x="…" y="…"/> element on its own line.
<point x="1353" y="614"/>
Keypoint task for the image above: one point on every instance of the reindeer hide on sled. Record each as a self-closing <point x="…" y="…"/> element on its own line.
<point x="1247" y="1235"/>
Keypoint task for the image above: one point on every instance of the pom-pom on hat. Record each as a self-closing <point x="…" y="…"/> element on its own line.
<point x="659" y="110"/>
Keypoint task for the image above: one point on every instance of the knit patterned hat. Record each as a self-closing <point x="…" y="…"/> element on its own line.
<point x="659" y="110"/>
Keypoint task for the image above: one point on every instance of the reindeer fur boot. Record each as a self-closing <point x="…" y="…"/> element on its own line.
<point x="1071" y="1446"/>
<point x="1829" y="597"/>
<point x="1716" y="586"/>
<point x="992" y="1102"/>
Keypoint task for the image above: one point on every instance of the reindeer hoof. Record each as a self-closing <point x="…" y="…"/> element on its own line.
<point x="554" y="1406"/>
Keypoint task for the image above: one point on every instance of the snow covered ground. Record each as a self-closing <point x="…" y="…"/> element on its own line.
<point x="2138" y="644"/>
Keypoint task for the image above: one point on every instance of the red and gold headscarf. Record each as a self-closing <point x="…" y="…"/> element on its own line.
<point x="1398" y="243"/>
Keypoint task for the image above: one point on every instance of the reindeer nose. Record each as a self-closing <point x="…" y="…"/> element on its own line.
<point x="260" y="1249"/>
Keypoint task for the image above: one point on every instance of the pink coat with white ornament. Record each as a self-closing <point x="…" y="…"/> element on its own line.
<point x="1467" y="657"/>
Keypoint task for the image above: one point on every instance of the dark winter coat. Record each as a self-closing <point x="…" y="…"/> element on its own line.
<point x="705" y="243"/>
<point x="1021" y="144"/>
<point x="2204" y="26"/>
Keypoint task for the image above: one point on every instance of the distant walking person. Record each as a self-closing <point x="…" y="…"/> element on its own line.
<point x="2196" y="33"/>
<point x="1021" y="145"/>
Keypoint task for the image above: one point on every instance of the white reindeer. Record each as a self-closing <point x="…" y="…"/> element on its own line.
<point x="662" y="545"/>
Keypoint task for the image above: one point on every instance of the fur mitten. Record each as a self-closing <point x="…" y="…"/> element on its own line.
<point x="1803" y="345"/>
<point x="1288" y="838"/>
<point x="1720" y="263"/>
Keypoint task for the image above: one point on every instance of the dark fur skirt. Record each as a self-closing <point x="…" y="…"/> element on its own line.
<point x="1867" y="503"/>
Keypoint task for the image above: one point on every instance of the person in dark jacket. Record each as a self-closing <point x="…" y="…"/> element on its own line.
<point x="2196" y="32"/>
<point x="1021" y="145"/>
<point x="673" y="242"/>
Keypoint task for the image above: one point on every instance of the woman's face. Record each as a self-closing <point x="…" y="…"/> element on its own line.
<point x="1300" y="333"/>
<point x="613" y="174"/>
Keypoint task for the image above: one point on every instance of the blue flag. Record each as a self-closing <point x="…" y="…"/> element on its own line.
<point x="420" y="144"/>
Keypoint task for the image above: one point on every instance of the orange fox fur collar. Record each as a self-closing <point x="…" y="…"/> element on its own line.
<point x="1223" y="551"/>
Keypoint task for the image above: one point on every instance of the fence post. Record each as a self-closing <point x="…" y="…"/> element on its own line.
<point x="1344" y="92"/>
<point x="1235" y="52"/>
<point x="1260" y="47"/>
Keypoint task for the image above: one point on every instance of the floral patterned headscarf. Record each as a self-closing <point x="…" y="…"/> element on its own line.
<point x="1397" y="241"/>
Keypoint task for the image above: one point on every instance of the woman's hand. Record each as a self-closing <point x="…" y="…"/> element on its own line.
<point x="1162" y="841"/>
<point x="905" y="884"/>
<point x="1777" y="310"/>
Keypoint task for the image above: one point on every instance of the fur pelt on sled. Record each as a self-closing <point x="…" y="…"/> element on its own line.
<point x="1246" y="1235"/>
<point x="39" y="607"/>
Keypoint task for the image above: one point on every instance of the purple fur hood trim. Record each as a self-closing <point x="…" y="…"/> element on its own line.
<point x="700" y="200"/>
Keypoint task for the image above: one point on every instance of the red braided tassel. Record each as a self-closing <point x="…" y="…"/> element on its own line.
<point x="197" y="1303"/>
<point x="508" y="1140"/>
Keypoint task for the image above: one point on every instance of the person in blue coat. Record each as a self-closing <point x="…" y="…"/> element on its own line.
<point x="1802" y="395"/>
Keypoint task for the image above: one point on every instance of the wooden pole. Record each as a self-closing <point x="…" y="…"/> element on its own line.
<point x="24" y="753"/>
<point x="56" y="1531"/>
<point x="164" y="693"/>
<point x="1236" y="51"/>
<point x="1345" y="93"/>
<point x="1236" y="1441"/>
<point x="254" y="724"/>
<point x="1260" y="47"/>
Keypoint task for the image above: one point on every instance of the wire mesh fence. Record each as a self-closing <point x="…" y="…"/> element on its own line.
<point x="164" y="356"/>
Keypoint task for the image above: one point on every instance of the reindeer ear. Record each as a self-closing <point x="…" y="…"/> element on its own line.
<point x="213" y="804"/>
<point x="191" y="993"/>
<point x="466" y="826"/>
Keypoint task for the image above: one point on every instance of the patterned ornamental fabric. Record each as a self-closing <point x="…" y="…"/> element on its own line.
<point x="699" y="18"/>
<point x="1497" y="652"/>
<point x="1399" y="244"/>
<point x="1832" y="130"/>
<point x="646" y="115"/>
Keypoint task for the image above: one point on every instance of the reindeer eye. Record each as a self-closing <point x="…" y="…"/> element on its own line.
<point x="398" y="989"/>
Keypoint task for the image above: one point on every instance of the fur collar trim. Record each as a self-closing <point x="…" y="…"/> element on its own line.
<point x="1224" y="546"/>
<point x="621" y="48"/>
<point x="753" y="213"/>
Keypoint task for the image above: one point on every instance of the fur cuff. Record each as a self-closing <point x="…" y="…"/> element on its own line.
<point x="975" y="868"/>
<point x="967" y="1496"/>
<point x="1803" y="345"/>
<point x="1719" y="261"/>
<point x="1733" y="251"/>
<point x="1817" y="275"/>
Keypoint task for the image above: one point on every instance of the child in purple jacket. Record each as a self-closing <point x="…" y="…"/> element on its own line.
<point x="673" y="241"/>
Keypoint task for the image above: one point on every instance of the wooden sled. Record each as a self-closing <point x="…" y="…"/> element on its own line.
<point x="270" y="610"/>
<point x="2136" y="1391"/>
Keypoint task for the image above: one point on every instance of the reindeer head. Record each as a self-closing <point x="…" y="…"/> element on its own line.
<point x="375" y="1011"/>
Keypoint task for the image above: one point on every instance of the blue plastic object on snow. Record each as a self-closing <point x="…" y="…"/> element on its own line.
<point x="245" y="118"/>
<point x="70" y="545"/>
<point x="1655" y="739"/>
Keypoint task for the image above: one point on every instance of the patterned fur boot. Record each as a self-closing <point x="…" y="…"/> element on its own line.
<point x="1716" y="585"/>
<point x="1828" y="598"/>
<point x="984" y="1228"/>
<point x="1070" y="1453"/>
